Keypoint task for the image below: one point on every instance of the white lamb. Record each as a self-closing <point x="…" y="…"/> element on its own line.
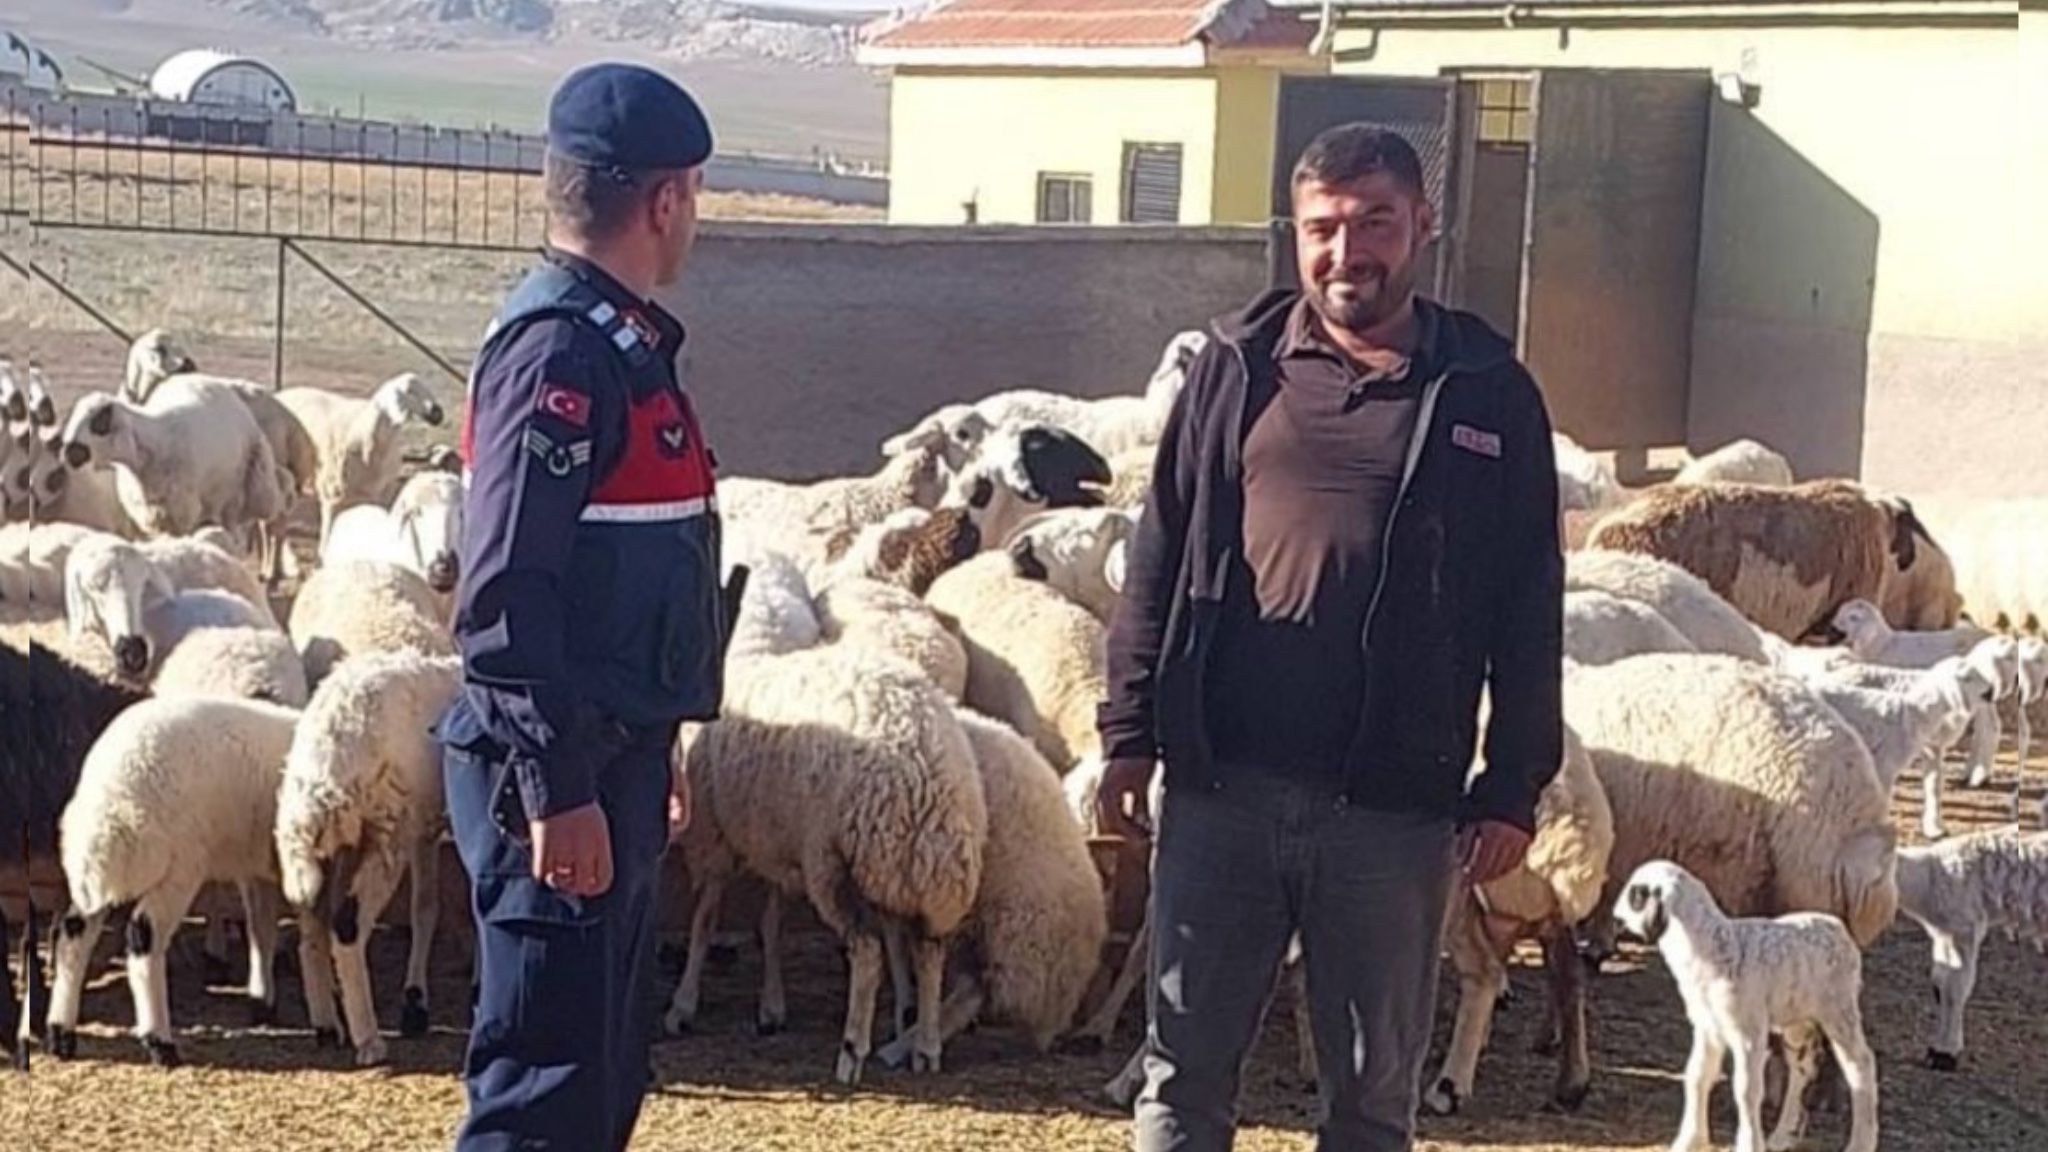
<point x="850" y="780"/>
<point x="1978" y="683"/>
<point x="175" y="794"/>
<point x="1696" y="610"/>
<point x="1958" y="891"/>
<point x="1799" y="976"/>
<point x="1902" y="726"/>
<point x="190" y="457"/>
<point x="420" y="530"/>
<point x="361" y="806"/>
<point x="361" y="606"/>
<point x="358" y="439"/>
<point x="113" y="592"/>
<point x="889" y="621"/>
<point x="1035" y="660"/>
<point x="1864" y="628"/>
<point x="1070" y="549"/>
<point x="1600" y="628"/>
<point x="153" y="357"/>
<point x="198" y="562"/>
<point x="1738" y="462"/>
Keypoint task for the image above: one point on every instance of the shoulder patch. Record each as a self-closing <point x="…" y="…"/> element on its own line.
<point x="565" y="404"/>
<point x="559" y="459"/>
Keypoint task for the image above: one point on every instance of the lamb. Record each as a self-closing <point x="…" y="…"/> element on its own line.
<point x="1069" y="550"/>
<point x="1958" y="891"/>
<point x="115" y="593"/>
<point x="1035" y="660"/>
<point x="1738" y="462"/>
<point x="192" y="456"/>
<point x="1972" y="678"/>
<point x="360" y="606"/>
<point x="173" y="795"/>
<point x="848" y="779"/>
<point x="153" y="357"/>
<point x="909" y="548"/>
<point x="32" y="559"/>
<point x="252" y="663"/>
<point x="1901" y="727"/>
<point x="1799" y="976"/>
<point x="421" y="530"/>
<point x="1872" y="640"/>
<point x="887" y="620"/>
<point x="1681" y="598"/>
<point x="1021" y="469"/>
<point x="1035" y="936"/>
<point x="360" y="806"/>
<point x="1600" y="628"/>
<point x="358" y="439"/>
<point x="1786" y="558"/>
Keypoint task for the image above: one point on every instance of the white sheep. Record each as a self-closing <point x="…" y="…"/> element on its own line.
<point x="889" y="621"/>
<point x="1921" y="721"/>
<point x="361" y="606"/>
<point x="1742" y="461"/>
<point x="420" y="530"/>
<point x="2000" y="552"/>
<point x="1958" y="891"/>
<point x="803" y="518"/>
<point x="1021" y="469"/>
<point x="175" y="794"/>
<point x="361" y="805"/>
<point x="252" y="663"/>
<point x="1069" y="549"/>
<point x="1600" y="628"/>
<point x="1035" y="659"/>
<point x="1683" y="599"/>
<point x="1977" y="682"/>
<point x="358" y="439"/>
<point x="114" y="593"/>
<point x="776" y="613"/>
<point x="1873" y="640"/>
<point x="53" y="491"/>
<point x="199" y="562"/>
<point x="190" y="457"/>
<point x="298" y="462"/>
<point x="850" y="780"/>
<point x="1035" y="935"/>
<point x="153" y="357"/>
<point x="1744" y="979"/>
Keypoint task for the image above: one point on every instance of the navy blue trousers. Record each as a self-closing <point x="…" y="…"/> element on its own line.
<point x="558" y="1047"/>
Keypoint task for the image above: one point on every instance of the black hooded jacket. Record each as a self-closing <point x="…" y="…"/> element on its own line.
<point x="1471" y="596"/>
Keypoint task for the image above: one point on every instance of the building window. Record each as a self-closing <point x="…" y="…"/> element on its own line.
<point x="1151" y="184"/>
<point x="1504" y="111"/>
<point x="1064" y="198"/>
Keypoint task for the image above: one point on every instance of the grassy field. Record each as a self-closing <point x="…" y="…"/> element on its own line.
<point x="726" y="1089"/>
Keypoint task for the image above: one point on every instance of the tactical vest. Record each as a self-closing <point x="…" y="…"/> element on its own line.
<point x="645" y="631"/>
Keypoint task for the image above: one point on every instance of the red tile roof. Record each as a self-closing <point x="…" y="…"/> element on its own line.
<point x="1087" y="24"/>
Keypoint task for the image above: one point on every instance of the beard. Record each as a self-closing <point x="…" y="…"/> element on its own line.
<point x="1362" y="298"/>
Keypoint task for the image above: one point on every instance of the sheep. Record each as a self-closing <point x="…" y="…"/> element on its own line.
<point x="1035" y="936"/>
<point x="887" y="620"/>
<point x="153" y="357"/>
<point x="192" y="456"/>
<point x="1035" y="659"/>
<point x="1021" y="469"/>
<point x="1081" y="787"/>
<point x="1069" y="550"/>
<point x="1957" y="891"/>
<point x="1863" y="626"/>
<point x="909" y="548"/>
<point x="1738" y="462"/>
<point x="113" y="592"/>
<point x="32" y="559"/>
<point x="360" y="606"/>
<point x="1999" y="552"/>
<point x="199" y="563"/>
<point x="53" y="491"/>
<point x="357" y="439"/>
<point x="421" y="530"/>
<point x="776" y="613"/>
<point x="1681" y="598"/>
<point x="252" y="663"/>
<point x="1901" y="727"/>
<point x="2033" y="670"/>
<point x="1744" y="979"/>
<point x="848" y="779"/>
<point x="173" y="795"/>
<point x="820" y="509"/>
<point x="1786" y="558"/>
<point x="361" y="805"/>
<point x="1972" y="678"/>
<point x="1130" y="477"/>
<point x="1600" y="628"/>
<point x="1744" y="775"/>
<point x="298" y="461"/>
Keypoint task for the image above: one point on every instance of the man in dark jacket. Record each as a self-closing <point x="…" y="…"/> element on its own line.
<point x="1352" y="532"/>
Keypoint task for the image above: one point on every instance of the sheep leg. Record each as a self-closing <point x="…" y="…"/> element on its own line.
<point x="1568" y="972"/>
<point x="1702" y="1072"/>
<point x="1122" y="1089"/>
<point x="682" y="1008"/>
<point x="372" y="890"/>
<point x="1955" y="976"/>
<point x="316" y="973"/>
<point x="1859" y="1069"/>
<point x="1930" y="800"/>
<point x="1752" y="1057"/>
<point x="864" y="956"/>
<point x="150" y="928"/>
<point x="927" y="1038"/>
<point x="1985" y="731"/>
<point x="1101" y="1025"/>
<point x="260" y="902"/>
<point x="76" y="937"/>
<point x="425" y="870"/>
<point x="1802" y="1060"/>
<point x="773" y="1015"/>
<point x="902" y="993"/>
<point x="2022" y="738"/>
<point x="965" y="1000"/>
<point x="1481" y="976"/>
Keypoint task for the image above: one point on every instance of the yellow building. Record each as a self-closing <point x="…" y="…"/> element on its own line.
<point x="1085" y="111"/>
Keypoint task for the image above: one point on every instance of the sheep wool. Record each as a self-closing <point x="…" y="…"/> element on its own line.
<point x="1681" y="598"/>
<point x="890" y="621"/>
<point x="1600" y="628"/>
<point x="364" y="606"/>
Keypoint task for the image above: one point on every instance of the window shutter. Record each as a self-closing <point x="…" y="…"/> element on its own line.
<point x="1152" y="183"/>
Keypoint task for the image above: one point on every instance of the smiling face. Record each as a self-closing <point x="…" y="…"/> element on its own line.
<point x="1360" y="245"/>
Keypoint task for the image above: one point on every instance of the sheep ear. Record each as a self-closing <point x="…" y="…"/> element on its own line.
<point x="1024" y="559"/>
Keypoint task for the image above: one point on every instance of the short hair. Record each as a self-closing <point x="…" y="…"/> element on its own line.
<point x="593" y="202"/>
<point x="1351" y="152"/>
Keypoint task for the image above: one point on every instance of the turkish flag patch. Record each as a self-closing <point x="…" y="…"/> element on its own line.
<point x="564" y="404"/>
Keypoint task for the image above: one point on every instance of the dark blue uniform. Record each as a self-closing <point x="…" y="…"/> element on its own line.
<point x="590" y="625"/>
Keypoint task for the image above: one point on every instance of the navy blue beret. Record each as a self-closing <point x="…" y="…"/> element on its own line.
<point x="627" y="117"/>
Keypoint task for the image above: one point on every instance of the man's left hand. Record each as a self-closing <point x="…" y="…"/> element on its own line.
<point x="1490" y="850"/>
<point x="678" y="805"/>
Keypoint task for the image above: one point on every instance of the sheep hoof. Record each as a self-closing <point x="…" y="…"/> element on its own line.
<point x="1567" y="1099"/>
<point x="848" y="1070"/>
<point x="370" y="1053"/>
<point x="63" y="1042"/>
<point x="262" y="1014"/>
<point x="893" y="1054"/>
<point x="1942" y="1061"/>
<point x="326" y="1037"/>
<point x="924" y="1063"/>
<point x="162" y="1053"/>
<point x="413" y="1022"/>
<point x="678" y="1023"/>
<point x="1444" y="1099"/>
<point x="770" y="1026"/>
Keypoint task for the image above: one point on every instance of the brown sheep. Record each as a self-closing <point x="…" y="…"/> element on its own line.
<point x="1788" y="557"/>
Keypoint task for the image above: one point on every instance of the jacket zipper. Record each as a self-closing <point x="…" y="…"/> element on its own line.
<point x="1416" y="440"/>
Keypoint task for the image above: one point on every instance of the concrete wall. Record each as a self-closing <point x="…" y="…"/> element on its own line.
<point x="811" y="345"/>
<point x="1921" y="128"/>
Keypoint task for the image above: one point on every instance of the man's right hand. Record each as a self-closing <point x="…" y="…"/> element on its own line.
<point x="572" y="851"/>
<point x="1122" y="804"/>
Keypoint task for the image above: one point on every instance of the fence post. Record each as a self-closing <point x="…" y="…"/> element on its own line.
<point x="277" y="324"/>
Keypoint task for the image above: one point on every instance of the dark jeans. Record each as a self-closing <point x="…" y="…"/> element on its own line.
<point x="558" y="1048"/>
<point x="1237" y="872"/>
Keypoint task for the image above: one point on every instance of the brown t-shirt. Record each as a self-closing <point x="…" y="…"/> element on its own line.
<point x="1322" y="469"/>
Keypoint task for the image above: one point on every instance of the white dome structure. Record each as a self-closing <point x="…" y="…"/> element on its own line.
<point x="207" y="76"/>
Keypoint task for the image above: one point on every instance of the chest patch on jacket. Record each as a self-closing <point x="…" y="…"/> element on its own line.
<point x="665" y="472"/>
<point x="1477" y="441"/>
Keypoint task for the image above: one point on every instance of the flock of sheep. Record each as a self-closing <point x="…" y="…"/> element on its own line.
<point x="909" y="737"/>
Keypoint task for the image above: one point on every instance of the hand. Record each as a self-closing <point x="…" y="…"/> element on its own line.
<point x="1122" y="804"/>
<point x="572" y="851"/>
<point x="678" y="806"/>
<point x="1490" y="850"/>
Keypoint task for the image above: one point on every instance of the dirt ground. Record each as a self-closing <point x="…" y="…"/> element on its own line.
<point x="724" y="1088"/>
